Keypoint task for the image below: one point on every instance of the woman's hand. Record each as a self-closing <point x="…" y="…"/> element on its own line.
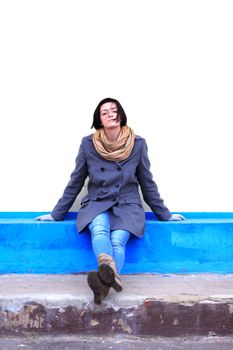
<point x="176" y="217"/>
<point x="46" y="217"/>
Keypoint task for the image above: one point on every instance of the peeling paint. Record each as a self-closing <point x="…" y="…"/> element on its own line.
<point x="94" y="322"/>
<point x="161" y="319"/>
<point x="230" y="308"/>
<point x="212" y="334"/>
<point x="124" y="326"/>
<point x="26" y="318"/>
<point x="82" y="313"/>
<point x="61" y="310"/>
<point x="12" y="306"/>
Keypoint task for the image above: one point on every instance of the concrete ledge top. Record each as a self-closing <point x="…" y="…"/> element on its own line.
<point x="73" y="289"/>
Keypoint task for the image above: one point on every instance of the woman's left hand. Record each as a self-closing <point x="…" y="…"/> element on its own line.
<point x="176" y="217"/>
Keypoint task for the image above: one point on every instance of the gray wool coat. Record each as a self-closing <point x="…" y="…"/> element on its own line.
<point x="112" y="186"/>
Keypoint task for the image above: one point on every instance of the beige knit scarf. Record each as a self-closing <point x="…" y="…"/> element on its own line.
<point x="114" y="151"/>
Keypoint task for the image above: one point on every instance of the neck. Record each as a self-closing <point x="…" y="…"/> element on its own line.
<point x="112" y="134"/>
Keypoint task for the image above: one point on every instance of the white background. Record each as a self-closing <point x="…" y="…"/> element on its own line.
<point x="170" y="64"/>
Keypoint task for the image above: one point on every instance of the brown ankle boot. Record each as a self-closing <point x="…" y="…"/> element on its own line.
<point x="99" y="289"/>
<point x="108" y="273"/>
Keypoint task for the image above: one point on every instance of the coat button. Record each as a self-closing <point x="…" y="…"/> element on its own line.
<point x="102" y="168"/>
<point x="117" y="185"/>
<point x="118" y="168"/>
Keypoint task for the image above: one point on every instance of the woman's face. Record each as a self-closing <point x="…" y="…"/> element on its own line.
<point x="108" y="116"/>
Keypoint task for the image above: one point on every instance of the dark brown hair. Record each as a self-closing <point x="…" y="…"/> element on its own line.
<point x="120" y="113"/>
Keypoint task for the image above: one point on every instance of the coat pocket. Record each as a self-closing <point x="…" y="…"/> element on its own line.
<point x="85" y="200"/>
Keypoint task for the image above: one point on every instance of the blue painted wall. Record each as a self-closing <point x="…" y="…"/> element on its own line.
<point x="201" y="243"/>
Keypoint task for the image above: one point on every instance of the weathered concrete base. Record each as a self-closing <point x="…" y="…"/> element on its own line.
<point x="154" y="305"/>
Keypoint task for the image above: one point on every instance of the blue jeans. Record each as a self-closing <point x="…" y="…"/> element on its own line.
<point x="109" y="242"/>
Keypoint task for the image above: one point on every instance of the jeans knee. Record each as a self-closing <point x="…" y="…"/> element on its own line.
<point x="118" y="244"/>
<point x="119" y="238"/>
<point x="99" y="230"/>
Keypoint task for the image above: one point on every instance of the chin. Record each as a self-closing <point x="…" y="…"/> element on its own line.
<point x="113" y="126"/>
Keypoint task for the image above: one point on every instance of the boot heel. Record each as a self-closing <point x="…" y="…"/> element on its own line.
<point x="117" y="286"/>
<point x="93" y="283"/>
<point x="99" y="289"/>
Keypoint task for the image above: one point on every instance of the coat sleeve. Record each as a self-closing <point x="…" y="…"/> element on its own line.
<point x="73" y="187"/>
<point x="149" y="188"/>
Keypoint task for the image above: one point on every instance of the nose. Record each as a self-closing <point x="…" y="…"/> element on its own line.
<point x="110" y="114"/>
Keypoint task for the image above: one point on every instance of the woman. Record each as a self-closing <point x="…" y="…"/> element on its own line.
<point x="116" y="161"/>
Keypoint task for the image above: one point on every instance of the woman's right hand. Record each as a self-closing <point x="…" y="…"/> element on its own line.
<point x="46" y="217"/>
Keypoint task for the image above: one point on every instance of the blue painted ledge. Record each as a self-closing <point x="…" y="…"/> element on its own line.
<point x="202" y="243"/>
